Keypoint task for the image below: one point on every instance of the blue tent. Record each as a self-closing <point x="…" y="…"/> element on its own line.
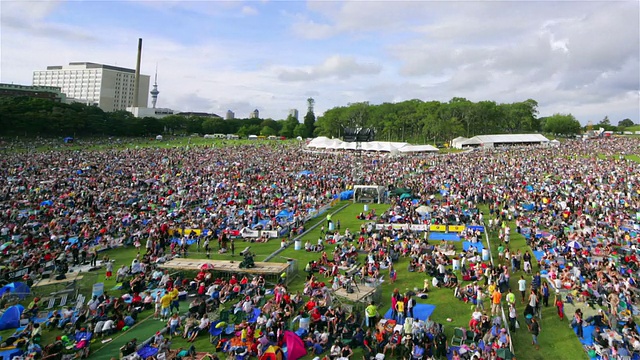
<point x="20" y="289"/>
<point x="11" y="318"/>
<point x="68" y="140"/>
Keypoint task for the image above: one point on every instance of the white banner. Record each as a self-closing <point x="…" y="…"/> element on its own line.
<point x="412" y="227"/>
<point x="270" y="233"/>
<point x="247" y="233"/>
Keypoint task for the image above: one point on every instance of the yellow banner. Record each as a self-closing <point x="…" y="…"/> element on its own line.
<point x="438" y="228"/>
<point x="188" y="231"/>
<point x="456" y="228"/>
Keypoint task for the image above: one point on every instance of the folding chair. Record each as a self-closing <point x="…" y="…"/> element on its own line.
<point x="63" y="300"/>
<point x="458" y="336"/>
<point x="469" y="336"/>
<point x="52" y="303"/>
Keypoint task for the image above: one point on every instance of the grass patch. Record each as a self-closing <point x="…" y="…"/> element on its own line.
<point x="557" y="340"/>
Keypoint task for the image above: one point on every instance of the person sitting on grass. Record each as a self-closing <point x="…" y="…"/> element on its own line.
<point x="203" y="325"/>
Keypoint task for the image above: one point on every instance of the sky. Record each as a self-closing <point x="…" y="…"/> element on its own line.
<point x="578" y="57"/>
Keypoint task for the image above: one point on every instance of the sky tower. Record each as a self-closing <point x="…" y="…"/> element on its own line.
<point x="154" y="92"/>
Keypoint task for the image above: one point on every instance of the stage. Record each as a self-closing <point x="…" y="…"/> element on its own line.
<point x="362" y="293"/>
<point x="226" y="266"/>
<point x="71" y="277"/>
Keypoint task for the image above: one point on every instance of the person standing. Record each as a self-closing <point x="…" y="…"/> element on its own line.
<point x="233" y="247"/>
<point x="522" y="287"/>
<point x="560" y="306"/>
<point x="441" y="346"/>
<point x="371" y="312"/>
<point x="496" y="297"/>
<point x="545" y="294"/>
<point x="513" y="317"/>
<point x="511" y="298"/>
<point x="535" y="331"/>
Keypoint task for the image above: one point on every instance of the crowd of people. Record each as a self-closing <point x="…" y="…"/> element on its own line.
<point x="576" y="204"/>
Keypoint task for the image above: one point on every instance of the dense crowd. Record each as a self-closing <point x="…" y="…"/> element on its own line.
<point x="576" y="204"/>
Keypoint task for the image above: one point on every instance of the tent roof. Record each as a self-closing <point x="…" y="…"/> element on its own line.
<point x="506" y="138"/>
<point x="418" y="148"/>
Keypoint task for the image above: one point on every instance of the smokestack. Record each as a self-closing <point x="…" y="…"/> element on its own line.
<point x="136" y="83"/>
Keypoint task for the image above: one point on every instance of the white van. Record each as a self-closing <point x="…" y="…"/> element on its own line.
<point x="272" y="137"/>
<point x="232" y="137"/>
<point x="252" y="137"/>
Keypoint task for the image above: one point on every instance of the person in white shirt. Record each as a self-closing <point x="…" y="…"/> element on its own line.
<point x="108" y="327"/>
<point x="522" y="287"/>
<point x="202" y="326"/>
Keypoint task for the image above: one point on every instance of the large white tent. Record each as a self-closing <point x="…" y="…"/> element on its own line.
<point x="502" y="140"/>
<point x="323" y="142"/>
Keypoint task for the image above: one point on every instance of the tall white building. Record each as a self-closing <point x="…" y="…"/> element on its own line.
<point x="255" y="114"/>
<point x="108" y="87"/>
<point x="294" y="113"/>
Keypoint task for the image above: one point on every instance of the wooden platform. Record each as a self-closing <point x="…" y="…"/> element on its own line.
<point x="228" y="266"/>
<point x="360" y="294"/>
<point x="53" y="281"/>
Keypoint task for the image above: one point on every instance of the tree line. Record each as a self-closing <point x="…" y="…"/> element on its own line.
<point x="420" y="121"/>
<point x="413" y="121"/>
<point x="26" y="116"/>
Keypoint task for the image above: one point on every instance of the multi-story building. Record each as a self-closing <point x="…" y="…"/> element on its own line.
<point x="230" y="115"/>
<point x="42" y="92"/>
<point x="109" y="87"/>
<point x="293" y="113"/>
<point x="255" y="114"/>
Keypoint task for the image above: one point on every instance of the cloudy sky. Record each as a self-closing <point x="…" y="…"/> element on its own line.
<point x="579" y="57"/>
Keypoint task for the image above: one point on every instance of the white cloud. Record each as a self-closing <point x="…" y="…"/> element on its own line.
<point x="249" y="10"/>
<point x="341" y="67"/>
<point x="580" y="57"/>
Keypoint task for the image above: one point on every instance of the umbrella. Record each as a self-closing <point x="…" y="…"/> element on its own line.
<point x="504" y="353"/>
<point x="423" y="209"/>
<point x="574" y="245"/>
<point x="206" y="266"/>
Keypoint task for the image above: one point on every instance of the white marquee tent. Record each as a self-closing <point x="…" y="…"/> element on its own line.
<point x="380" y="146"/>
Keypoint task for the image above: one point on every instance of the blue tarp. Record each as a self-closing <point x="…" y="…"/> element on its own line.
<point x="476" y="228"/>
<point x="147" y="351"/>
<point x="444" y="236"/>
<point x="18" y="288"/>
<point x="189" y="241"/>
<point x="528" y="207"/>
<point x="466" y="245"/>
<point x="305" y="173"/>
<point x="46" y="203"/>
<point x="346" y="195"/>
<point x="420" y="312"/>
<point x="262" y="223"/>
<point x="11" y="317"/>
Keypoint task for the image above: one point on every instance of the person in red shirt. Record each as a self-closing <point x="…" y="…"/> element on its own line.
<point x="233" y="280"/>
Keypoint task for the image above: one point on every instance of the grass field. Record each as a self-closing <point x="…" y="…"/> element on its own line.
<point x="557" y="340"/>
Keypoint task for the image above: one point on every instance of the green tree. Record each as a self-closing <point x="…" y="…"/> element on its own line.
<point x="287" y="126"/>
<point x="267" y="131"/>
<point x="562" y="124"/>
<point x="625" y="123"/>
<point x="309" y="119"/>
<point x="300" y="130"/>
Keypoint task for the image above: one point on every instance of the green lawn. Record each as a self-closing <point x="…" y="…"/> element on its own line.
<point x="557" y="340"/>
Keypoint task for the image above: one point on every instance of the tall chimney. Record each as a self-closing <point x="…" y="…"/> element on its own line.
<point x="136" y="81"/>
